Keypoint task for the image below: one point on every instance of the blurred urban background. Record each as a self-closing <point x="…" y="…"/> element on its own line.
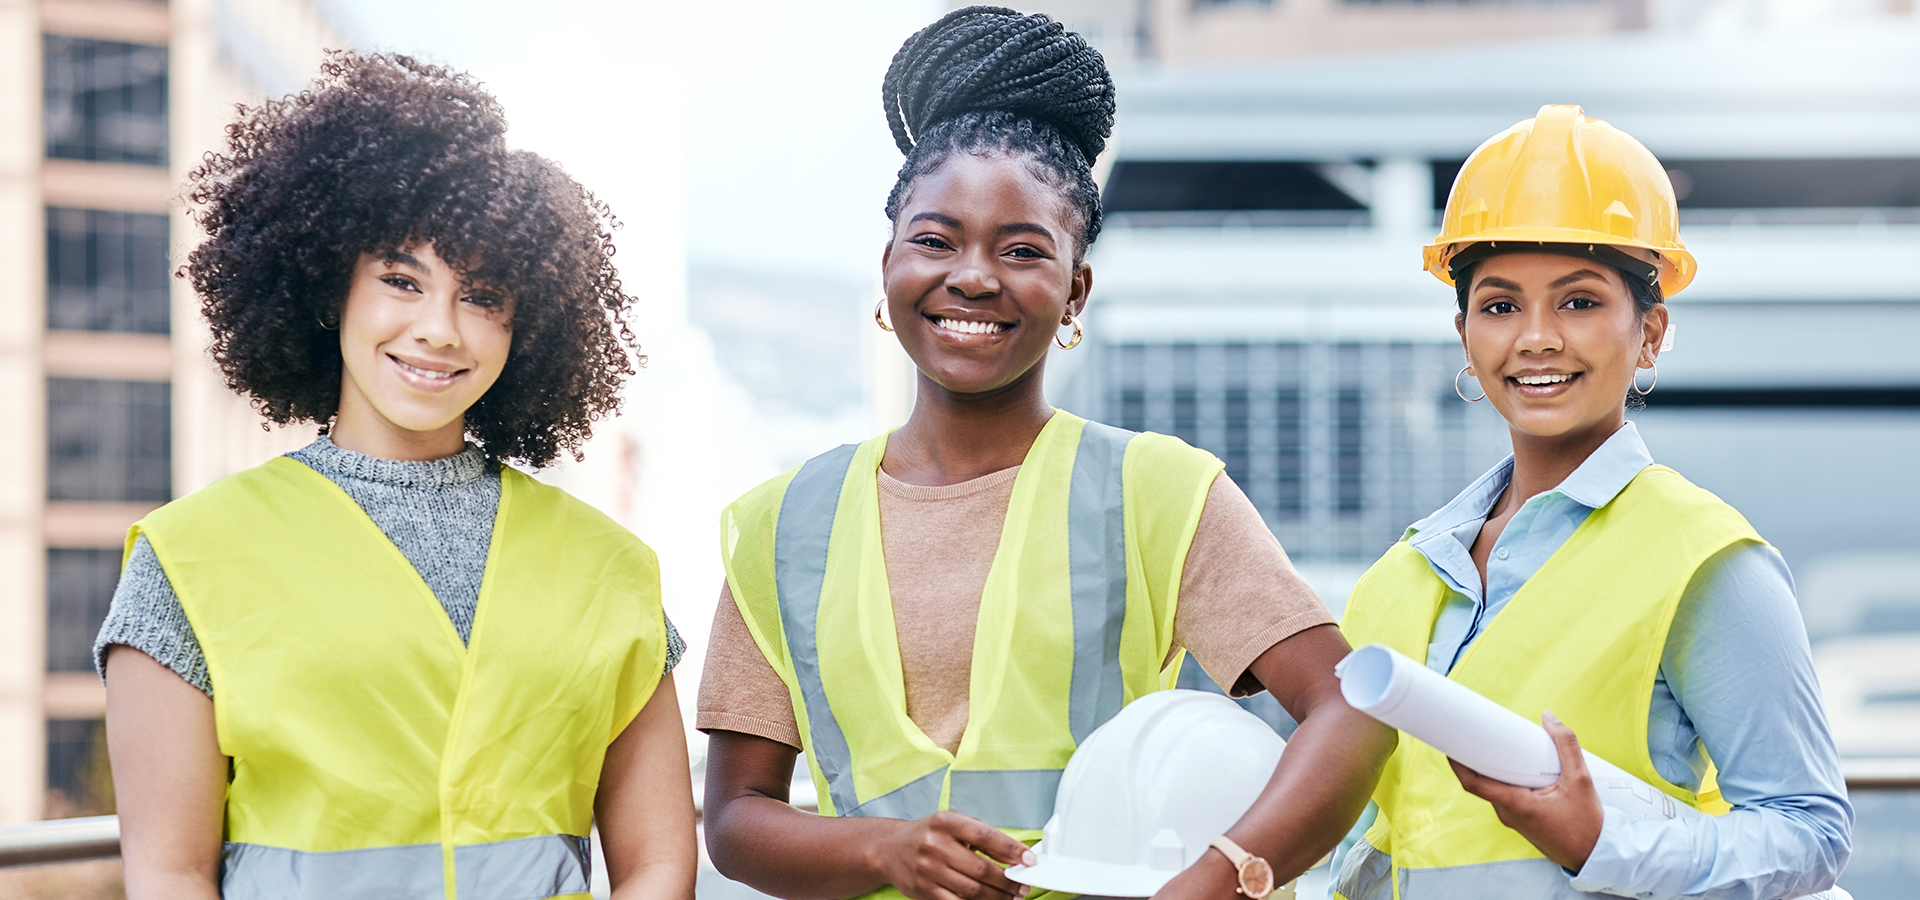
<point x="1276" y="166"/>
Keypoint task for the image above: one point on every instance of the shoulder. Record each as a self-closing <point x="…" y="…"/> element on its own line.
<point x="262" y="487"/>
<point x="564" y="517"/>
<point x="1663" y="497"/>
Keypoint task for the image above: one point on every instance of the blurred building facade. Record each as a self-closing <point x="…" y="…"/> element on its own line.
<point x="111" y="407"/>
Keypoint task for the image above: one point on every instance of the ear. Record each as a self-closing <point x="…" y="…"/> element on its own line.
<point x="1080" y="290"/>
<point x="1460" y="325"/>
<point x="1653" y="334"/>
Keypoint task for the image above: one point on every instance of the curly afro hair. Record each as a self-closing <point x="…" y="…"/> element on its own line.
<point x="382" y="153"/>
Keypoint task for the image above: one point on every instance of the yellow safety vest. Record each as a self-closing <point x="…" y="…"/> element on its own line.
<point x="1076" y="619"/>
<point x="373" y="754"/>
<point x="1583" y="637"/>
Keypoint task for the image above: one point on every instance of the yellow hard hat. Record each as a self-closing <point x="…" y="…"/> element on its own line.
<point x="1562" y="178"/>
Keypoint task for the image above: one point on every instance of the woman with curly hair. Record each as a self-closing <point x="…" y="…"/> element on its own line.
<point x="938" y="616"/>
<point x="388" y="664"/>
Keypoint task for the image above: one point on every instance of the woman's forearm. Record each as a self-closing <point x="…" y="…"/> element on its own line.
<point x="1331" y="763"/>
<point x="772" y="847"/>
<point x="645" y="805"/>
<point x="169" y="777"/>
<point x="756" y="838"/>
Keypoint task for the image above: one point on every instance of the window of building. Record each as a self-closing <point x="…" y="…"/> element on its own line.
<point x="1708" y="188"/>
<point x="1340" y="445"/>
<point x="80" y="586"/>
<point x="106" y="101"/>
<point x="106" y="271"/>
<point x="109" y="440"/>
<point x="1151" y="192"/>
<point x="79" y="780"/>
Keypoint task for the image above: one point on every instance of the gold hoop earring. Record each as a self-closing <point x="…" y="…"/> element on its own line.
<point x="1463" y="394"/>
<point x="1636" y="380"/>
<point x="324" y="326"/>
<point x="1077" y="333"/>
<point x="877" y="320"/>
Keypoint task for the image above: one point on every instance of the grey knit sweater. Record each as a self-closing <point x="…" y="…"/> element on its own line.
<point x="439" y="513"/>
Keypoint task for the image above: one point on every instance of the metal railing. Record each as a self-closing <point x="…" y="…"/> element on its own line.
<point x="98" y="837"/>
<point x="60" y="840"/>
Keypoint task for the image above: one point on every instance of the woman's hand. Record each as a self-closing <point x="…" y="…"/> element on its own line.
<point x="169" y="778"/>
<point x="940" y="858"/>
<point x="1562" y="819"/>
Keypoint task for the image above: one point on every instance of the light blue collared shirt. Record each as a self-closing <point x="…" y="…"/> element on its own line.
<point x="1736" y="681"/>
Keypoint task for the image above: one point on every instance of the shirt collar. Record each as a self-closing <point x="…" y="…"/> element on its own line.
<point x="1608" y="470"/>
<point x="1605" y="473"/>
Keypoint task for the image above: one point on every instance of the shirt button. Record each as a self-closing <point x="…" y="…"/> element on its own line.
<point x="1501" y="553"/>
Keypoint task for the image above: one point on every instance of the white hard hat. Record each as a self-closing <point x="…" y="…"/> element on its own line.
<point x="1147" y="792"/>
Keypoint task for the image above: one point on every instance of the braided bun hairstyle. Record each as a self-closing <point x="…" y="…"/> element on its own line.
<point x="991" y="81"/>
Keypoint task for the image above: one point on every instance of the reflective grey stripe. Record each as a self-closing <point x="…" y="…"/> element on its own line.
<point x="260" y="872"/>
<point x="529" y="868"/>
<point x="800" y="570"/>
<point x="1365" y="874"/>
<point x="915" y="799"/>
<point x="1097" y="560"/>
<point x="1007" y="798"/>
<point x="1534" y="879"/>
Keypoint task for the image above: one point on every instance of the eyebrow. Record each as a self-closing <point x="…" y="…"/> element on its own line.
<point x="1577" y="276"/>
<point x="938" y="218"/>
<point x="1025" y="228"/>
<point x="408" y="261"/>
<point x="1495" y="281"/>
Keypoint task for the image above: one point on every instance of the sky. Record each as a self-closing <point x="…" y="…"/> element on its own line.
<point x="783" y="159"/>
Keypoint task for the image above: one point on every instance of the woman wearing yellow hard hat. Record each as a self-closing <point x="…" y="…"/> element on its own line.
<point x="1582" y="585"/>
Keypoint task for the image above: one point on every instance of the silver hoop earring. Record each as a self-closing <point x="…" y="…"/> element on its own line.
<point x="877" y="320"/>
<point x="1463" y="394"/>
<point x="1650" y="384"/>
<point x="1077" y="334"/>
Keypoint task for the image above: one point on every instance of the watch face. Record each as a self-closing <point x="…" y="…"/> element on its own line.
<point x="1256" y="878"/>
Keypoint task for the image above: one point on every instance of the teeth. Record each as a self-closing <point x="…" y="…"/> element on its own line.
<point x="966" y="327"/>
<point x="1543" y="379"/>
<point x="426" y="373"/>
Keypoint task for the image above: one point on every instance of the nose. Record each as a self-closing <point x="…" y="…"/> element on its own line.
<point x="1540" y="330"/>
<point x="436" y="324"/>
<point x="972" y="276"/>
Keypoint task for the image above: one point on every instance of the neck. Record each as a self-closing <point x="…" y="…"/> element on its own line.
<point x="952" y="437"/>
<point x="1540" y="464"/>
<point x="361" y="428"/>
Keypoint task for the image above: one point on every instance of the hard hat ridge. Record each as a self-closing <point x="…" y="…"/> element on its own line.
<point x="1561" y="178"/>
<point x="1147" y="792"/>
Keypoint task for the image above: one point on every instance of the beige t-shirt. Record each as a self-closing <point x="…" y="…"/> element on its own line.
<point x="1239" y="595"/>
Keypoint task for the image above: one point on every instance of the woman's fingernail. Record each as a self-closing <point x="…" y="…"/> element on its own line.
<point x="1028" y="858"/>
<point x="1549" y="716"/>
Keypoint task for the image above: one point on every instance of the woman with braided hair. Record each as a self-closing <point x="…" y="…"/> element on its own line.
<point x="938" y="616"/>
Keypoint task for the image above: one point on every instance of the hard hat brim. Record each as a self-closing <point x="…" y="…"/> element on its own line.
<point x="1087" y="877"/>
<point x="1677" y="274"/>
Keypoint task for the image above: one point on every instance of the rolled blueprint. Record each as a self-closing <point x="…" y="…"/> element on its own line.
<point x="1481" y="734"/>
<point x="1489" y="738"/>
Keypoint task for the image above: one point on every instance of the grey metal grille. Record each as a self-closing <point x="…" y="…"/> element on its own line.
<point x="1340" y="445"/>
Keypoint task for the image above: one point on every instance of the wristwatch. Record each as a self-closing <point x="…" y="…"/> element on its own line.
<point x="1256" y="877"/>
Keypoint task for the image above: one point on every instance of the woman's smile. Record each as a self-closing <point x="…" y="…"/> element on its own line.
<point x="1537" y="385"/>
<point x="969" y="332"/>
<point x="424" y="375"/>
